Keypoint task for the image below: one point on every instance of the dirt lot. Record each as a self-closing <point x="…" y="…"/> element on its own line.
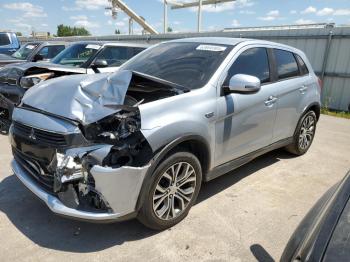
<point x="245" y="215"/>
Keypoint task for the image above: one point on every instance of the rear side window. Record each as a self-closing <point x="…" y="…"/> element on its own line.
<point x="4" y="39"/>
<point x="253" y="62"/>
<point x="49" y="52"/>
<point x="116" y="55"/>
<point x="302" y="66"/>
<point x="286" y="65"/>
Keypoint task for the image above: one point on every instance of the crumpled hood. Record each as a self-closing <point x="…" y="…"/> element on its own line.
<point x="63" y="68"/>
<point x="83" y="98"/>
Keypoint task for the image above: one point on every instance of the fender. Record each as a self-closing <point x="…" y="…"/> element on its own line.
<point x="159" y="156"/>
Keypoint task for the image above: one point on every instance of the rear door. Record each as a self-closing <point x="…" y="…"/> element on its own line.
<point x="293" y="84"/>
<point x="245" y="121"/>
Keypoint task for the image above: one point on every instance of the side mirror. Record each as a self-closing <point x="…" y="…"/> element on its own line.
<point x="38" y="57"/>
<point x="99" y="63"/>
<point x="241" y="83"/>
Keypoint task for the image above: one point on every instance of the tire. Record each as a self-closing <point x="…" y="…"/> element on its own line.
<point x="299" y="146"/>
<point x="157" y="201"/>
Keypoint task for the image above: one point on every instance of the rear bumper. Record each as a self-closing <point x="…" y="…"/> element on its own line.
<point x="58" y="207"/>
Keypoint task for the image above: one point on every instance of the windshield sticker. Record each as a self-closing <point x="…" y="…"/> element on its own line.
<point x="91" y="46"/>
<point x="30" y="46"/>
<point x="212" y="48"/>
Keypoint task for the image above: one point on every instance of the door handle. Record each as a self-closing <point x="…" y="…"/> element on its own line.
<point x="302" y="89"/>
<point x="270" y="100"/>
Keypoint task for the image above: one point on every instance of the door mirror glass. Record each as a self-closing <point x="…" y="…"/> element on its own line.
<point x="99" y="63"/>
<point x="241" y="83"/>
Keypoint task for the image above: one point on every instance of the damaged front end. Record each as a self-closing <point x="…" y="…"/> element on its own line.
<point x="85" y="156"/>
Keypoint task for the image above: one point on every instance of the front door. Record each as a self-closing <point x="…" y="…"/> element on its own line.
<point x="245" y="121"/>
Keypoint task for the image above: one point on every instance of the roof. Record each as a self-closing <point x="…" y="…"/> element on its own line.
<point x="114" y="43"/>
<point x="213" y="40"/>
<point x="234" y="41"/>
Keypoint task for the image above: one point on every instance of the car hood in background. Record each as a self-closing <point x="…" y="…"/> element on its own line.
<point x="83" y="98"/>
<point x="50" y="66"/>
<point x="7" y="59"/>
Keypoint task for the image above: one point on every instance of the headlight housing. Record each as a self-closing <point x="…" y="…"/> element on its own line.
<point x="29" y="81"/>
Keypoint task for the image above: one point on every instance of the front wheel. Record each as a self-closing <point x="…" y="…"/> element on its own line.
<point x="304" y="134"/>
<point x="174" y="189"/>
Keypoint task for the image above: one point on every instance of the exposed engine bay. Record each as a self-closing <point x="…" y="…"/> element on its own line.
<point x="111" y="142"/>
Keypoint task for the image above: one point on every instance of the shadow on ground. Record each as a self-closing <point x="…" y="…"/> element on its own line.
<point x="45" y="229"/>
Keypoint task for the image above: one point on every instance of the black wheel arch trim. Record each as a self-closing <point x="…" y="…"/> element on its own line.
<point x="159" y="156"/>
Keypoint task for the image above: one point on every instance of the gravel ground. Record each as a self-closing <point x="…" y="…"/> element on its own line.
<point x="246" y="215"/>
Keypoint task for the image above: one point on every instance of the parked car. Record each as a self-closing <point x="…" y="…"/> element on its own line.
<point x="139" y="142"/>
<point x="323" y="235"/>
<point x="9" y="43"/>
<point x="79" y="58"/>
<point x="33" y="52"/>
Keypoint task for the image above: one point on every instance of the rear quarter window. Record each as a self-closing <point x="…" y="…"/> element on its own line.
<point x="287" y="66"/>
<point x="302" y="66"/>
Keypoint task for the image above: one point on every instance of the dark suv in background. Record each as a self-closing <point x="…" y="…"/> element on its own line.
<point x="87" y="57"/>
<point x="33" y="52"/>
<point x="9" y="43"/>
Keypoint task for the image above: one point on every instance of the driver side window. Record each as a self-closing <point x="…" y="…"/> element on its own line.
<point x="253" y="62"/>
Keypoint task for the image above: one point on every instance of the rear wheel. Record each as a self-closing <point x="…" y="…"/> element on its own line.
<point x="174" y="189"/>
<point x="304" y="134"/>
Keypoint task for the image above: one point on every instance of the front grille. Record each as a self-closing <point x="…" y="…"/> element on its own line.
<point x="35" y="170"/>
<point x="40" y="136"/>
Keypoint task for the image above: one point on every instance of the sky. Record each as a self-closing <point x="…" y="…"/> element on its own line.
<point x="45" y="15"/>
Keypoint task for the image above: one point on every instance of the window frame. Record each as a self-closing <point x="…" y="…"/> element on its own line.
<point x="233" y="58"/>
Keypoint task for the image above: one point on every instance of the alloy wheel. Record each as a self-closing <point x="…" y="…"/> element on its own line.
<point x="307" y="131"/>
<point x="174" y="191"/>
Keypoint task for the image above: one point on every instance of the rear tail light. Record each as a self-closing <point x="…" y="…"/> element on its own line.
<point x="320" y="84"/>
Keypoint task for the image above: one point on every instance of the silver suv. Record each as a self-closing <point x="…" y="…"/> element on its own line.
<point x="140" y="142"/>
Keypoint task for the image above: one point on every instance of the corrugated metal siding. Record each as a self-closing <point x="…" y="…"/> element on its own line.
<point x="313" y="41"/>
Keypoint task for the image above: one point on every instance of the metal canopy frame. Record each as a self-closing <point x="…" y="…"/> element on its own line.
<point x="181" y="5"/>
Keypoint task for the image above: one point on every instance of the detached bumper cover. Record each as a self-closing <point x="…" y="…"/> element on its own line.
<point x="112" y="194"/>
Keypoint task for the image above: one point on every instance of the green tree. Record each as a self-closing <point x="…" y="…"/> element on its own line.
<point x="64" y="30"/>
<point x="18" y="33"/>
<point x="169" y="29"/>
<point x="117" y="31"/>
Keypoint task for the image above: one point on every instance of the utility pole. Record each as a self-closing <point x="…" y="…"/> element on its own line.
<point x="200" y="3"/>
<point x="199" y="24"/>
<point x="120" y="5"/>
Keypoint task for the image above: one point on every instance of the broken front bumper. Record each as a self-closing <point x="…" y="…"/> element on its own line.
<point x="119" y="187"/>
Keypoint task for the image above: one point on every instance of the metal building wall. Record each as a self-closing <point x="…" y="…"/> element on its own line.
<point x="327" y="48"/>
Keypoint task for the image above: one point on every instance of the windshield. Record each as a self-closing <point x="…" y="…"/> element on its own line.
<point x="24" y="51"/>
<point x="187" y="64"/>
<point x="76" y="55"/>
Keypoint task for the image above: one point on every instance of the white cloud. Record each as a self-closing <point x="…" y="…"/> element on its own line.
<point x="293" y="12"/>
<point x="91" y="4"/>
<point x="83" y="21"/>
<point x="218" y="8"/>
<point x="78" y="17"/>
<point x="304" y="21"/>
<point x="271" y="15"/>
<point x="247" y="12"/>
<point x="70" y="8"/>
<point x="29" y="9"/>
<point x="235" y="23"/>
<point x="342" y="12"/>
<point x="44" y="25"/>
<point x="86" y="24"/>
<point x="309" y="10"/>
<point x="325" y="11"/>
<point x="120" y="24"/>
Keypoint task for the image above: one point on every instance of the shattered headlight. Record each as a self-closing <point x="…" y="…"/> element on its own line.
<point x="29" y="81"/>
